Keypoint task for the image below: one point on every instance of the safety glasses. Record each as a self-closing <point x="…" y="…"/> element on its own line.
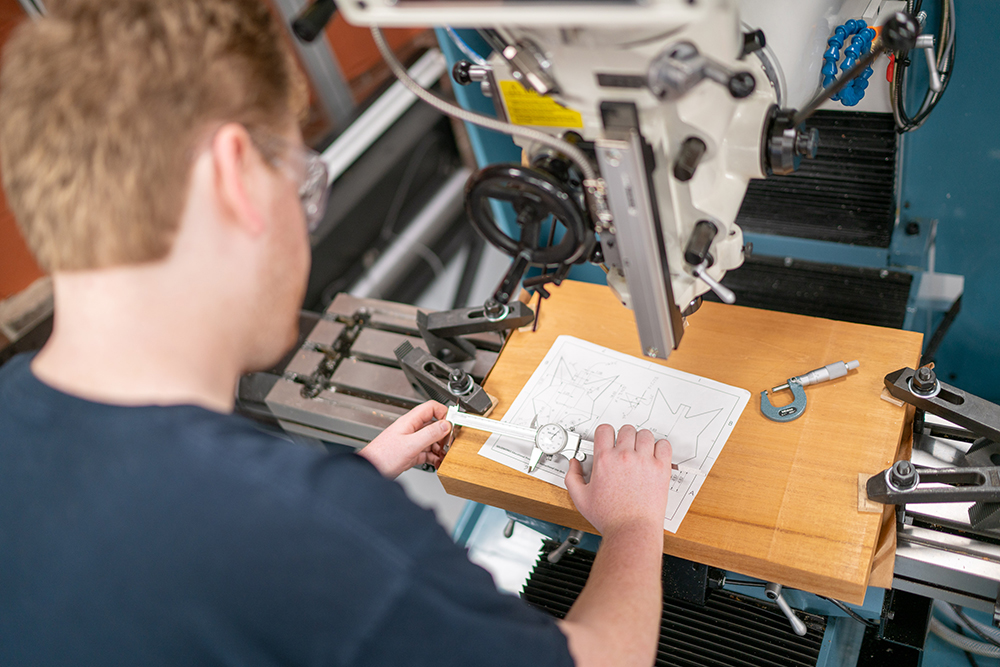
<point x="302" y="166"/>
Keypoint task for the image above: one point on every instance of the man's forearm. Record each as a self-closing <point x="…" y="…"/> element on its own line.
<point x="616" y="619"/>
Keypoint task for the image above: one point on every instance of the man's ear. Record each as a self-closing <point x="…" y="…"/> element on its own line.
<point x="236" y="166"/>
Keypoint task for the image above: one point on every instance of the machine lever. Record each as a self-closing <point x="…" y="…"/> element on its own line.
<point x="724" y="293"/>
<point x="926" y="42"/>
<point x="678" y="69"/>
<point x="464" y="73"/>
<point x="773" y="591"/>
<point x="568" y="544"/>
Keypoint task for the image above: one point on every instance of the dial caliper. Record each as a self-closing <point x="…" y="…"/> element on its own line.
<point x="549" y="439"/>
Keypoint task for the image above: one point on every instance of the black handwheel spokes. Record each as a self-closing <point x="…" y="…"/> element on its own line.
<point x="534" y="194"/>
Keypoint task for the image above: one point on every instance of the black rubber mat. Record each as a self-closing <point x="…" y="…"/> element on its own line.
<point x="848" y="293"/>
<point x="845" y="194"/>
<point x="729" y="629"/>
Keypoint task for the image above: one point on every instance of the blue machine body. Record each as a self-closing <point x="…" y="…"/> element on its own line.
<point x="950" y="172"/>
<point x="949" y="176"/>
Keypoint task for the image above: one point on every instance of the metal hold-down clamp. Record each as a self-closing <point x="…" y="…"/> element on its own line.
<point x="442" y="330"/>
<point x="905" y="483"/>
<point x="795" y="385"/>
<point x="976" y="480"/>
<point x="440" y="382"/>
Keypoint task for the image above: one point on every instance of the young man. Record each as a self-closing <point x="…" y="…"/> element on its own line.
<point x="150" y="154"/>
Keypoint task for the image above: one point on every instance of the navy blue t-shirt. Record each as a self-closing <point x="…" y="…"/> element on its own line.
<point x="180" y="536"/>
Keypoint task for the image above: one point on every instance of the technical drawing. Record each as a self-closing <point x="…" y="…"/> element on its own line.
<point x="581" y="385"/>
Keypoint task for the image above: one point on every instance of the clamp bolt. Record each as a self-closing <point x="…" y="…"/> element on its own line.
<point x="903" y="475"/>
<point x="924" y="382"/>
<point x="492" y="309"/>
<point x="460" y="383"/>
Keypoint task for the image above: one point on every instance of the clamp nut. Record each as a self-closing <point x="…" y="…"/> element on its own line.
<point x="903" y="475"/>
<point x="492" y="308"/>
<point x="460" y="383"/>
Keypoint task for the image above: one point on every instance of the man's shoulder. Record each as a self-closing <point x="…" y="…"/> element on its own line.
<point x="174" y="458"/>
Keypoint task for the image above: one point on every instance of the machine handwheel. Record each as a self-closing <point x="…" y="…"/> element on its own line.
<point x="534" y="194"/>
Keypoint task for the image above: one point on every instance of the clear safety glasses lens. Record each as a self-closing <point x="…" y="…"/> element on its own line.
<point x="314" y="191"/>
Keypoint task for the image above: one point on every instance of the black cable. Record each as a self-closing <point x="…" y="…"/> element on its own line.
<point x="417" y="159"/>
<point x="940" y="331"/>
<point x="538" y="311"/>
<point x="850" y="612"/>
<point x="972" y="626"/>
<point x="752" y="584"/>
<point x="931" y="99"/>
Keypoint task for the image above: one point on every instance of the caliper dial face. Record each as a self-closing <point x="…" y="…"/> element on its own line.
<point x="551" y="438"/>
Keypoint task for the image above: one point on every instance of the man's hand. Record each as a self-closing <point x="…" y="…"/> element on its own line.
<point x="615" y="622"/>
<point x="413" y="439"/>
<point x="629" y="483"/>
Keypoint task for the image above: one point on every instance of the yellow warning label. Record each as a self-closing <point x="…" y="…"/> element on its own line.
<point x="526" y="107"/>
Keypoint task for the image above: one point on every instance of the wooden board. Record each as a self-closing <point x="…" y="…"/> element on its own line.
<point x="781" y="502"/>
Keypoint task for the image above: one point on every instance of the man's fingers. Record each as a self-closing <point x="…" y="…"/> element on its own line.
<point x="428" y="435"/>
<point x="422" y="414"/>
<point x="644" y="441"/>
<point x="604" y="438"/>
<point x="663" y="450"/>
<point x="574" y="479"/>
<point x="440" y="411"/>
<point x="626" y="437"/>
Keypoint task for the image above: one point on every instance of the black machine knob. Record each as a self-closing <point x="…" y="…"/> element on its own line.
<point x="900" y="32"/>
<point x="752" y="41"/>
<point x="787" y="142"/>
<point x="309" y="24"/>
<point x="692" y="150"/>
<point x="741" y="84"/>
<point x="700" y="242"/>
<point x="460" y="72"/>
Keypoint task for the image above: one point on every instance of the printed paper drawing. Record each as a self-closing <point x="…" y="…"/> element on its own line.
<point x="581" y="385"/>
